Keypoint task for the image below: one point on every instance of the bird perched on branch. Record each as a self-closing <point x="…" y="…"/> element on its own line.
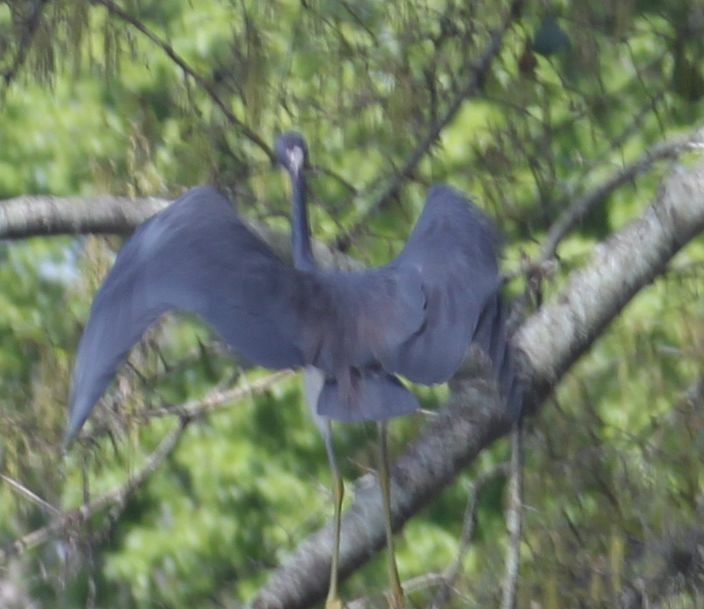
<point x="353" y="332"/>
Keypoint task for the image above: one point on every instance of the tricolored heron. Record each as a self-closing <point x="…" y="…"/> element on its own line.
<point x="352" y="331"/>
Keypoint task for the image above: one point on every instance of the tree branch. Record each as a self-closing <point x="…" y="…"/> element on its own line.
<point x="549" y="343"/>
<point x="118" y="12"/>
<point x="575" y="212"/>
<point x="467" y="536"/>
<point x="514" y="521"/>
<point x="628" y="260"/>
<point x="187" y="412"/>
<point x="115" y="497"/>
<point x="218" y="399"/>
<point x="30" y="29"/>
<point x="474" y="84"/>
<point x="209" y="89"/>
<point x="33" y="216"/>
<point x="30" y="495"/>
<point x="43" y="215"/>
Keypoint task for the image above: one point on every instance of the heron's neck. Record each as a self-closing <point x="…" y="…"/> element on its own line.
<point x="302" y="252"/>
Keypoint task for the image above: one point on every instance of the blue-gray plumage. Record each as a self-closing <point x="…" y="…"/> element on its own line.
<point x="414" y="317"/>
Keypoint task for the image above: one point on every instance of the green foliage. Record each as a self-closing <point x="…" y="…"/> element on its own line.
<point x="89" y="104"/>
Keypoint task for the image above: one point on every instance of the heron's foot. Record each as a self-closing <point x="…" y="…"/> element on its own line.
<point x="395" y="599"/>
<point x="333" y="603"/>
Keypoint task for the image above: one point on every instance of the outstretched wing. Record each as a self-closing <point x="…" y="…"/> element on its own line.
<point x="198" y="256"/>
<point x="453" y="248"/>
<point x="195" y="256"/>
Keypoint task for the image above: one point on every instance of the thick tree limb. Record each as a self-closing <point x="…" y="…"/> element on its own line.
<point x="550" y="342"/>
<point x="42" y="215"/>
<point x="33" y="216"/>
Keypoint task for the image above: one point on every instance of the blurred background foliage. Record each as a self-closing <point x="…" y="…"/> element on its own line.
<point x="92" y="101"/>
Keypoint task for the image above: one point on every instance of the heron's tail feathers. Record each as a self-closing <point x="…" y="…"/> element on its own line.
<point x="366" y="395"/>
<point x="492" y="336"/>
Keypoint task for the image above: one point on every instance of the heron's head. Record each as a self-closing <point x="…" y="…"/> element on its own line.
<point x="292" y="152"/>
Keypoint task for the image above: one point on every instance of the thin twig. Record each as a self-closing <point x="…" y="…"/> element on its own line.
<point x="346" y="184"/>
<point x="31" y="495"/>
<point x="88" y="540"/>
<point x="218" y="399"/>
<point x="186" y="412"/>
<point x="30" y="29"/>
<point x="473" y="86"/>
<point x="117" y="496"/>
<point x="421" y="582"/>
<point x="695" y="392"/>
<point x="467" y="536"/>
<point x="445" y="579"/>
<point x="569" y="218"/>
<point x="114" y="9"/>
<point x="514" y="521"/>
<point x="209" y="89"/>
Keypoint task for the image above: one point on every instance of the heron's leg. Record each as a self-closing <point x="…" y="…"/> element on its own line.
<point x="333" y="600"/>
<point x="396" y="593"/>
